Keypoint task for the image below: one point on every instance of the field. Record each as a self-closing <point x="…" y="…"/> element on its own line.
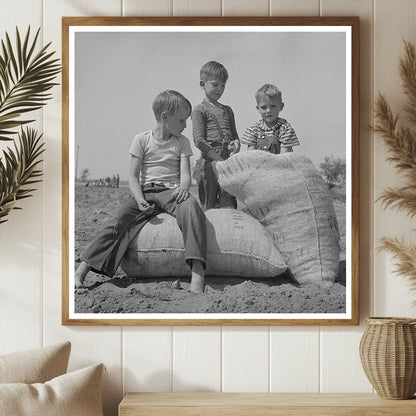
<point x="121" y="294"/>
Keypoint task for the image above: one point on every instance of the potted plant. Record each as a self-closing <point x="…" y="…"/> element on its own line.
<point x="388" y="345"/>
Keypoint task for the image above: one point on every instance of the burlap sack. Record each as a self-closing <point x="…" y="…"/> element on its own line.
<point x="237" y="245"/>
<point x="288" y="196"/>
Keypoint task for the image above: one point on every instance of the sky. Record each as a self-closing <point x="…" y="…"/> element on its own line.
<point x="118" y="74"/>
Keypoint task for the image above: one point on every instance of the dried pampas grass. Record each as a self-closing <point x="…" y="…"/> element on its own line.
<point x="405" y="254"/>
<point x="401" y="143"/>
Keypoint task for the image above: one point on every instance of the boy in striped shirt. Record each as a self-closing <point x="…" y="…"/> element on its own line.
<point x="272" y="133"/>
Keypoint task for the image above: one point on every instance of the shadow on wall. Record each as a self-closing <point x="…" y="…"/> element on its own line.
<point x="110" y="385"/>
<point x="87" y="8"/>
<point x="160" y="381"/>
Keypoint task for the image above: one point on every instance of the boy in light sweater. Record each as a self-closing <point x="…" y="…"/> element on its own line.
<point x="159" y="180"/>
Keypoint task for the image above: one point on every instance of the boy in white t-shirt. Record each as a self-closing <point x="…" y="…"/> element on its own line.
<point x="159" y="180"/>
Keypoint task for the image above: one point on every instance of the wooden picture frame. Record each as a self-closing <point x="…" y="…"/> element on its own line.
<point x="113" y="68"/>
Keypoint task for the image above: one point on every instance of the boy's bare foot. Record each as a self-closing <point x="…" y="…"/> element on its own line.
<point x="80" y="274"/>
<point x="198" y="277"/>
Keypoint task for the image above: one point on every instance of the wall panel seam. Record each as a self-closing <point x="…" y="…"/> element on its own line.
<point x="269" y="356"/>
<point x="320" y="358"/>
<point x="221" y="359"/>
<point x="172" y="343"/>
<point x="122" y="343"/>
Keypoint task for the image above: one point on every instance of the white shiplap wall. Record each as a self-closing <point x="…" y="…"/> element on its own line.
<point x="245" y="359"/>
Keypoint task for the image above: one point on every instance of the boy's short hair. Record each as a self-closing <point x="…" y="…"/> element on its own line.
<point x="268" y="90"/>
<point x="213" y="70"/>
<point x="170" y="101"/>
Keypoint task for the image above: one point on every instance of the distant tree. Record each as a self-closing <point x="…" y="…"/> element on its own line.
<point x="84" y="174"/>
<point x="333" y="170"/>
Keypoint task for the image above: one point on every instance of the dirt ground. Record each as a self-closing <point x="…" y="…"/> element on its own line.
<point x="121" y="294"/>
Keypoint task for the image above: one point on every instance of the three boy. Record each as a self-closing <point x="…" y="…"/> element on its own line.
<point x="160" y="174"/>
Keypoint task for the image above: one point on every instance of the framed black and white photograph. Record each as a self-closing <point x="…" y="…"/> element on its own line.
<point x="210" y="171"/>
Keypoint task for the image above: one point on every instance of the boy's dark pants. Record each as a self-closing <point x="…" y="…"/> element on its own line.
<point x="209" y="191"/>
<point x="105" y="252"/>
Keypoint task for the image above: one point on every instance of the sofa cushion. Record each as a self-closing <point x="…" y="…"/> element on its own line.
<point x="35" y="366"/>
<point x="73" y="394"/>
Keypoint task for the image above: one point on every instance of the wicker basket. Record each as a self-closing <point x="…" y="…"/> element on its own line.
<point x="388" y="356"/>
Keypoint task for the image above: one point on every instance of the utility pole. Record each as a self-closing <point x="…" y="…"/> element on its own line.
<point x="76" y="163"/>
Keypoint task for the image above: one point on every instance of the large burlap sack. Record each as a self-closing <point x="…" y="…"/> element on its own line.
<point x="289" y="197"/>
<point x="237" y="245"/>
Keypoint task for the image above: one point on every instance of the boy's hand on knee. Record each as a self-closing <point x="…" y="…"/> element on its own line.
<point x="181" y="194"/>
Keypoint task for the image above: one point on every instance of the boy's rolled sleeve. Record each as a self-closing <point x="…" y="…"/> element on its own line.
<point x="288" y="136"/>
<point x="199" y="131"/>
<point x="249" y="137"/>
<point x="137" y="145"/>
<point x="185" y="147"/>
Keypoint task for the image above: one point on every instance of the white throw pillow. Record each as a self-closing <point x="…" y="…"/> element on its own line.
<point x="73" y="394"/>
<point x="35" y="366"/>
